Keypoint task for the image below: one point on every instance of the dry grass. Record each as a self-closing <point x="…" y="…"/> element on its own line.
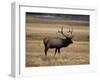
<point x="75" y="54"/>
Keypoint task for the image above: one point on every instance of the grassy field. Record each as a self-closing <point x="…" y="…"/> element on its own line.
<point x="75" y="54"/>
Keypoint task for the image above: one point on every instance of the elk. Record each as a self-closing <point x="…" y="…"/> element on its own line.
<point x="58" y="43"/>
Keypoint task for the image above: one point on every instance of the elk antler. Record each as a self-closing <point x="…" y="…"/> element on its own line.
<point x="71" y="32"/>
<point x="62" y="32"/>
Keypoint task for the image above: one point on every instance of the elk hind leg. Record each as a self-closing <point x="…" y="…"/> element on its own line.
<point x="55" y="51"/>
<point x="46" y="49"/>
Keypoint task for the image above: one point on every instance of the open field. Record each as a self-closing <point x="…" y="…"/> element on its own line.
<point x="75" y="54"/>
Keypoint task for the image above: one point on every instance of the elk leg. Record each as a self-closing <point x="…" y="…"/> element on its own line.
<point x="46" y="49"/>
<point x="55" y="51"/>
<point x="59" y="52"/>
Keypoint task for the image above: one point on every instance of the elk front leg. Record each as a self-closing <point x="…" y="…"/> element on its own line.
<point x="55" y="51"/>
<point x="59" y="51"/>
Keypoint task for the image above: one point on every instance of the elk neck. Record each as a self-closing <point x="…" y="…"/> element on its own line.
<point x="67" y="41"/>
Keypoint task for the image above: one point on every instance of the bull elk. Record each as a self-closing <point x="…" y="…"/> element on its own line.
<point x="58" y="43"/>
